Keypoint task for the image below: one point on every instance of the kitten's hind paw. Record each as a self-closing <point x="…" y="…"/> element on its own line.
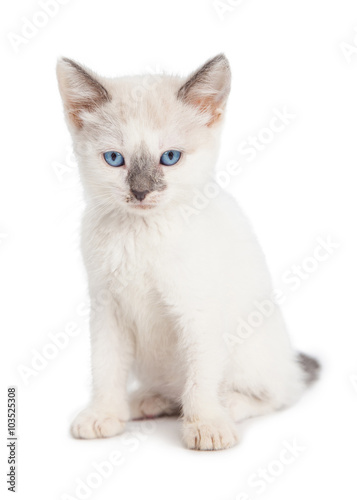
<point x="151" y="406"/>
<point x="93" y="424"/>
<point x="216" y="434"/>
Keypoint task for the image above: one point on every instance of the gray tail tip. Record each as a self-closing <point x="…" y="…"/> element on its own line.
<point x="311" y="367"/>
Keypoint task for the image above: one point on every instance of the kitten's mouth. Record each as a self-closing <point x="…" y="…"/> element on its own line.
<point x="143" y="206"/>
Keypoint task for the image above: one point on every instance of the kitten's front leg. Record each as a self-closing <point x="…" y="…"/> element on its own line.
<point x="206" y="423"/>
<point x="111" y="359"/>
<point x="202" y="353"/>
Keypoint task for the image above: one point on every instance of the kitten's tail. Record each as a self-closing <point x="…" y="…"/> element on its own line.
<point x="310" y="367"/>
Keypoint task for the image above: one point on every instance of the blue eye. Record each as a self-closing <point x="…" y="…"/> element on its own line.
<point x="170" y="157"/>
<point x="114" y="159"/>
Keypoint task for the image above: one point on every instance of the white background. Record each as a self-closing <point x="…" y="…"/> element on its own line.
<point x="300" y="187"/>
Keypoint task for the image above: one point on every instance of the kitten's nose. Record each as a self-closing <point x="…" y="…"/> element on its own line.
<point x="140" y="195"/>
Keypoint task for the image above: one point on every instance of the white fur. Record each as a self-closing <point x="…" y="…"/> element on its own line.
<point x="167" y="289"/>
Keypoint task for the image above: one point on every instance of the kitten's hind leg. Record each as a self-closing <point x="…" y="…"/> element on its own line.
<point x="241" y="406"/>
<point x="151" y="405"/>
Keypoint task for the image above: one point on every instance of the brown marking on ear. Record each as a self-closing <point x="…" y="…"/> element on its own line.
<point x="208" y="105"/>
<point x="79" y="89"/>
<point x="208" y="88"/>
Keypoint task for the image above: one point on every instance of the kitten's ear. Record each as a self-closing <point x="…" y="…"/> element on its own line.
<point x="208" y="88"/>
<point x="80" y="90"/>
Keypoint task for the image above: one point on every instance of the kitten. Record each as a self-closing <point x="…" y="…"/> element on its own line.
<point x="169" y="291"/>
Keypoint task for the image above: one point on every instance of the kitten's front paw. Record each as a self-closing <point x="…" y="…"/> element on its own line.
<point x="92" y="424"/>
<point x="203" y="434"/>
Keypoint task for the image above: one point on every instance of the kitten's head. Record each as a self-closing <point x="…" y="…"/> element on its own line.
<point x="144" y="142"/>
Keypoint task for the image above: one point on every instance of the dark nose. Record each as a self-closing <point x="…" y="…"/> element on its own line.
<point x="140" y="195"/>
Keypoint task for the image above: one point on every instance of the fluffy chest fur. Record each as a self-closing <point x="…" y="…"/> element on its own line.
<point x="128" y="259"/>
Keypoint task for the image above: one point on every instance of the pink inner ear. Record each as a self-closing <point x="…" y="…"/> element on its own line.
<point x="75" y="103"/>
<point x="208" y="105"/>
<point x="74" y="108"/>
<point x="73" y="113"/>
<point x="208" y="88"/>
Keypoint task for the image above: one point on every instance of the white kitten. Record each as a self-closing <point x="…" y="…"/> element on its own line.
<point x="168" y="290"/>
